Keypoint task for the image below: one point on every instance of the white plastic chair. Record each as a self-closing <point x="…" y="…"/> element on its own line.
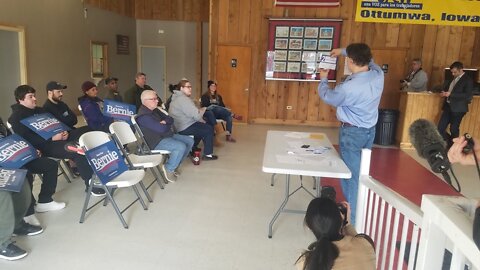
<point x="127" y="179"/>
<point x="123" y="135"/>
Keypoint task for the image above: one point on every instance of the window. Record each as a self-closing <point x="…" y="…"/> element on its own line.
<point x="99" y="59"/>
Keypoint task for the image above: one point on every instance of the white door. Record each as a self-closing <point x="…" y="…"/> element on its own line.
<point x="152" y="63"/>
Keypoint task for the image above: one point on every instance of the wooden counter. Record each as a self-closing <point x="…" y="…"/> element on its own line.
<point x="414" y="105"/>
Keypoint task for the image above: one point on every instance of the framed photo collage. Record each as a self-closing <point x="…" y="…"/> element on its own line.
<point x="296" y="46"/>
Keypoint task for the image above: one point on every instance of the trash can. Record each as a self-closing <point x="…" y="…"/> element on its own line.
<point x="386" y="127"/>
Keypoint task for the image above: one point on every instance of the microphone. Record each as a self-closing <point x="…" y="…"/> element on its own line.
<point x="430" y="145"/>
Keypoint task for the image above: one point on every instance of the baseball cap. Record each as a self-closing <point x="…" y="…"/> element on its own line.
<point x="109" y="79"/>
<point x="53" y="85"/>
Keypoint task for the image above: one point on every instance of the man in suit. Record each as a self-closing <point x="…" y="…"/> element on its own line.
<point x="458" y="94"/>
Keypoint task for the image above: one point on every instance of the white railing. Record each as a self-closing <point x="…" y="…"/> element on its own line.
<point x="398" y="226"/>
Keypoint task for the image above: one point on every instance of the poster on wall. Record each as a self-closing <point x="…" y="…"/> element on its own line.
<point x="296" y="47"/>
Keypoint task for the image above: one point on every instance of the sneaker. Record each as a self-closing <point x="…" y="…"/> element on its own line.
<point x="176" y="172"/>
<point x="98" y="192"/>
<point x="169" y="176"/>
<point x="74" y="147"/>
<point x="12" y="252"/>
<point x="210" y="157"/>
<point x="27" y="229"/>
<point x="32" y="219"/>
<point x="230" y="139"/>
<point x="50" y="206"/>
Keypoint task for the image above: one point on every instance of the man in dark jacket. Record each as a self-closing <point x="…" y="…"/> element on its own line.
<point x="132" y="95"/>
<point x="53" y="147"/>
<point x="60" y="109"/>
<point x="157" y="130"/>
<point x="458" y="94"/>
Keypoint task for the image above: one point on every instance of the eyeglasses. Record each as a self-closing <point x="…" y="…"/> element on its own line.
<point x="188" y="86"/>
<point x="155" y="98"/>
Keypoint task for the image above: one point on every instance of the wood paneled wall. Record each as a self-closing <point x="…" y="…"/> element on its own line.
<point x="245" y="23"/>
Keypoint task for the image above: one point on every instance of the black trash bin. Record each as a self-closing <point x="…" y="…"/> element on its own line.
<point x="386" y="127"/>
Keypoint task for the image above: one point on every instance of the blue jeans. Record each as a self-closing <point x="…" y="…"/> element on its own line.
<point x="352" y="140"/>
<point x="201" y="131"/>
<point x="224" y="114"/>
<point x="209" y="118"/>
<point x="179" y="147"/>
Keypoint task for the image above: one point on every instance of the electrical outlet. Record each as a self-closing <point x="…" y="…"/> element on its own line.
<point x="289" y="107"/>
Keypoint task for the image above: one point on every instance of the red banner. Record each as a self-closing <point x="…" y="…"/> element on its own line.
<point x="307" y="3"/>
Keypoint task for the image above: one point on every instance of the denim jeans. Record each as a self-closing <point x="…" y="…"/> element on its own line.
<point x="209" y="118"/>
<point x="201" y="131"/>
<point x="179" y="147"/>
<point x="224" y="114"/>
<point x="352" y="140"/>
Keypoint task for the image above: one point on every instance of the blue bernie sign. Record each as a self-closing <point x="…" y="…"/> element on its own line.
<point x="118" y="110"/>
<point x="12" y="180"/>
<point x="16" y="152"/>
<point x="45" y="125"/>
<point x="106" y="161"/>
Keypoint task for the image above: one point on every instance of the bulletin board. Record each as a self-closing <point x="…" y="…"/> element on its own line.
<point x="295" y="47"/>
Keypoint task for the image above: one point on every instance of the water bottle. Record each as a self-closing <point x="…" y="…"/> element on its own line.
<point x="196" y="157"/>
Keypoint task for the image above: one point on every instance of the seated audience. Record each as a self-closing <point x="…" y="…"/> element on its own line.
<point x="48" y="169"/>
<point x="338" y="246"/>
<point x="416" y="80"/>
<point x="92" y="108"/>
<point x="53" y="147"/>
<point x="111" y="85"/>
<point x="214" y="103"/>
<point x="132" y="95"/>
<point x="13" y="207"/>
<point x="189" y="119"/>
<point x="157" y="129"/>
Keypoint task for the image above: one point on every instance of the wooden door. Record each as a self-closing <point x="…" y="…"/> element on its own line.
<point x="395" y="60"/>
<point x="233" y="77"/>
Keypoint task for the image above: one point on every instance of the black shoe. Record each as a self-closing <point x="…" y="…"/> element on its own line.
<point x="27" y="229"/>
<point x="75" y="171"/>
<point x="210" y="157"/>
<point x="98" y="192"/>
<point x="12" y="252"/>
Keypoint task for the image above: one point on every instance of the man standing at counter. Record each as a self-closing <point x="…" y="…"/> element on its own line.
<point x="416" y="80"/>
<point x="357" y="99"/>
<point x="458" y="94"/>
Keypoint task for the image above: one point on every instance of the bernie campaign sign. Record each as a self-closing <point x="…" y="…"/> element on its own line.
<point x="106" y="161"/>
<point x="15" y="152"/>
<point x="12" y="180"/>
<point x="118" y="110"/>
<point x="45" y="125"/>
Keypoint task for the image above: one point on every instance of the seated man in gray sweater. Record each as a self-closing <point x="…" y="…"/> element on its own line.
<point x="189" y="119"/>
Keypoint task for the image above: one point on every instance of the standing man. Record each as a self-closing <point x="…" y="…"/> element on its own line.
<point x="458" y="94"/>
<point x="132" y="95"/>
<point x="357" y="99"/>
<point x="416" y="80"/>
<point x="111" y="84"/>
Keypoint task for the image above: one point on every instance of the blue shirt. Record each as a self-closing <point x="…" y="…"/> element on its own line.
<point x="357" y="98"/>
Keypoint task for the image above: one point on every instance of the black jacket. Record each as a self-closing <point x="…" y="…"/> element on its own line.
<point x="461" y="94"/>
<point x="149" y="123"/>
<point x="20" y="112"/>
<point x="61" y="112"/>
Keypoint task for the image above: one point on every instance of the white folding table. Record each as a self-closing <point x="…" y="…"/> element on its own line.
<point x="303" y="154"/>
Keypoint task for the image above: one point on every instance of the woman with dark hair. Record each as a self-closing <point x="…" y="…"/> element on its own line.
<point x="214" y="102"/>
<point x="338" y="245"/>
<point x="92" y="107"/>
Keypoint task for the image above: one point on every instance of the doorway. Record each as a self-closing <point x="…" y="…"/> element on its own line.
<point x="152" y="63"/>
<point x="13" y="66"/>
<point x="233" y="77"/>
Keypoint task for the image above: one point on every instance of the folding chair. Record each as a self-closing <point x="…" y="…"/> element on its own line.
<point x="62" y="164"/>
<point x="126" y="179"/>
<point x="123" y="135"/>
<point x="144" y="148"/>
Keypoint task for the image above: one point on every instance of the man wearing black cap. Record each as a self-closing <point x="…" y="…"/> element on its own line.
<point x="56" y="106"/>
<point x="111" y="83"/>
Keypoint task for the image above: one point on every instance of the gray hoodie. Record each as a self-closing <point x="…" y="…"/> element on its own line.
<point x="183" y="111"/>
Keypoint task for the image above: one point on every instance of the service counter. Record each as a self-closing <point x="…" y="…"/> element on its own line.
<point x="415" y="105"/>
